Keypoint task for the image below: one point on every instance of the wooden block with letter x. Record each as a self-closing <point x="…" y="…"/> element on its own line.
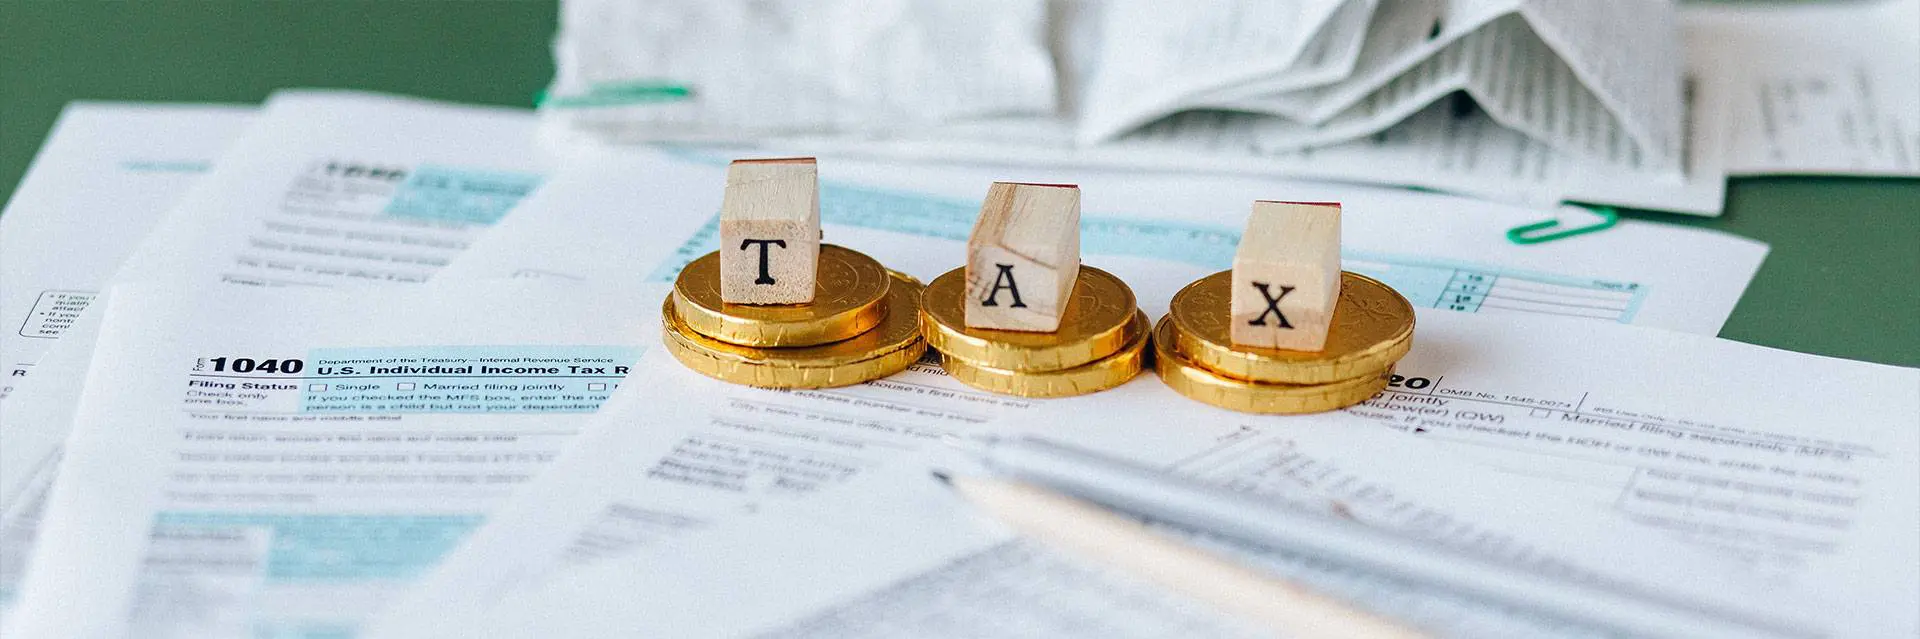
<point x="1286" y="276"/>
<point x="1023" y="257"/>
<point x="770" y="232"/>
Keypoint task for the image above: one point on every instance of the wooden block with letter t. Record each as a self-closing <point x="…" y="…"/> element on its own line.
<point x="1286" y="276"/>
<point x="1023" y="257"/>
<point x="770" y="232"/>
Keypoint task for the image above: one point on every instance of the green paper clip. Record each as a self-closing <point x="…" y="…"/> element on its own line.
<point x="617" y="94"/>
<point x="1542" y="231"/>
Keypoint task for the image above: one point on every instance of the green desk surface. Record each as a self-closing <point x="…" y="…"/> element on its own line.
<point x="1841" y="279"/>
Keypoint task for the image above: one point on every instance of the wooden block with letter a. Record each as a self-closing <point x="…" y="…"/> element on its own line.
<point x="1286" y="276"/>
<point x="1023" y="257"/>
<point x="770" y="231"/>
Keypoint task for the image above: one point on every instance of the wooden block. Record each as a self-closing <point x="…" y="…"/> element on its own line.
<point x="1286" y="276"/>
<point x="1023" y="257"/>
<point x="770" y="232"/>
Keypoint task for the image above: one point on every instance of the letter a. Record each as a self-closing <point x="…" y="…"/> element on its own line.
<point x="1035" y="227"/>
<point x="1003" y="280"/>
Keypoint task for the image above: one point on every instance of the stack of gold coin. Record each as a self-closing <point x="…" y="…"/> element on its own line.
<point x="1101" y="342"/>
<point x="1372" y="329"/>
<point x="862" y="324"/>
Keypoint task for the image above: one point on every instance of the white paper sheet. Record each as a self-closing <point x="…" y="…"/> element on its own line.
<point x="1154" y="57"/>
<point x="1157" y="231"/>
<point x="348" y="188"/>
<point x="1802" y="466"/>
<point x="1599" y="81"/>
<point x="1799" y="466"/>
<point x="1399" y="36"/>
<point x="1330" y="56"/>
<point x="252" y="462"/>
<point x="301" y="204"/>
<point x="599" y="521"/>
<point x="873" y="563"/>
<point x="1578" y="101"/>
<point x="1796" y="468"/>
<point x="1157" y="247"/>
<point x="693" y="70"/>
<point x="100" y="182"/>
<point x="677" y="453"/>
<point x="327" y="188"/>
<point x="634" y="211"/>
<point x="1441" y="147"/>
<point x="1824" y="89"/>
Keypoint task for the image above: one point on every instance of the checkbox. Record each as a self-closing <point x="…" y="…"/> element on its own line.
<point x="1541" y="412"/>
<point x="316" y="387"/>
<point x="403" y="386"/>
<point x="597" y="386"/>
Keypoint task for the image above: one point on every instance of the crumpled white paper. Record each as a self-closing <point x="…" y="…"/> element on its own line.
<point x="736" y="70"/>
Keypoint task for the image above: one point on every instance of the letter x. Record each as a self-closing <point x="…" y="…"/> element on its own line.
<point x="1273" y="305"/>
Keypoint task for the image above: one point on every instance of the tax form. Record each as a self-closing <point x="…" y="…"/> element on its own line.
<point x="278" y="462"/>
<point x="347" y="188"/>
<point x="588" y="516"/>
<point x="902" y="485"/>
<point x="303" y="206"/>
<point x="325" y="189"/>
<point x="101" y="181"/>
<point x="676" y="453"/>
<point x="1799" y="467"/>
<point x="1802" y="466"/>
<point x="886" y="558"/>
<point x="1788" y="478"/>
<point x="1157" y="231"/>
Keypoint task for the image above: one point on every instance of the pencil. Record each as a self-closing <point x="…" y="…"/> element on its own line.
<point x="1104" y="481"/>
<point x="1103" y="537"/>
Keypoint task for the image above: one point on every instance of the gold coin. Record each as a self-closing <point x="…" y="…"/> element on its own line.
<point x="906" y="278"/>
<point x="1190" y="379"/>
<point x="887" y="349"/>
<point x="1096" y="323"/>
<point x="849" y="297"/>
<point x="1372" y="328"/>
<point x="1098" y="375"/>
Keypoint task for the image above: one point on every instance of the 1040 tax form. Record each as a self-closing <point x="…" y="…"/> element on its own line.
<point x="253" y="462"/>
<point x="324" y="189"/>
